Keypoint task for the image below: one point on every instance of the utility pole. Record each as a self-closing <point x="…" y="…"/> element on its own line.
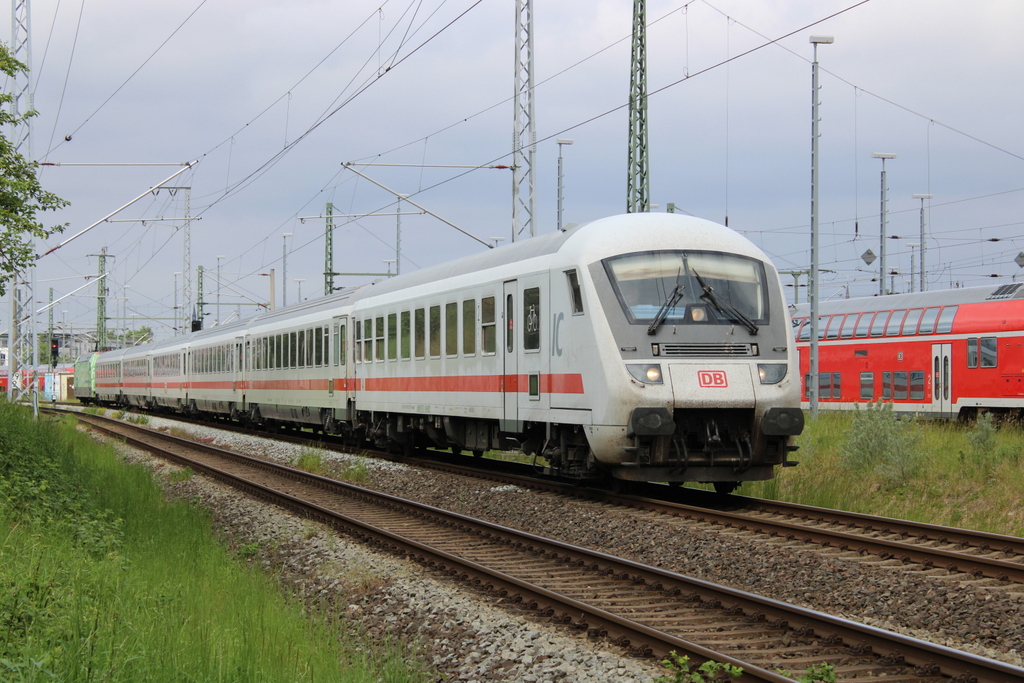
<point x="197" y="324"/>
<point x="524" y="136"/>
<point x="812" y="295"/>
<point x="638" y="189"/>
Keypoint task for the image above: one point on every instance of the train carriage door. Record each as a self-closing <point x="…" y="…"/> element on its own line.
<point x="942" y="379"/>
<point x="534" y="339"/>
<point x="510" y="366"/>
<point x="237" y="366"/>
<point x="339" y="387"/>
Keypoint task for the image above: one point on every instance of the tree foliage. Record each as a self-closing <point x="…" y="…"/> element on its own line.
<point x="21" y="195"/>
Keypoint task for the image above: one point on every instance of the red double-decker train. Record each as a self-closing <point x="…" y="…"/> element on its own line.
<point x="950" y="353"/>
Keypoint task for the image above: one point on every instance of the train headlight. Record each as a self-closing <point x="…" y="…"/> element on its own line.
<point x="646" y="373"/>
<point x="772" y="373"/>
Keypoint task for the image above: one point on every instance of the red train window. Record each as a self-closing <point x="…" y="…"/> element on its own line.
<point x="911" y="321"/>
<point x="928" y="320"/>
<point x="878" y="326"/>
<point x="846" y="331"/>
<point x="895" y="321"/>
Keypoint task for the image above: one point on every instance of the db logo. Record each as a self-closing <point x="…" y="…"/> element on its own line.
<point x="712" y="378"/>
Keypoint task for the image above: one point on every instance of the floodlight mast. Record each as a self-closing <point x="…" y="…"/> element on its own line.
<point x="883" y="222"/>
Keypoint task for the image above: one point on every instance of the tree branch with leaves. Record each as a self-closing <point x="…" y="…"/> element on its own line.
<point x="21" y="195"/>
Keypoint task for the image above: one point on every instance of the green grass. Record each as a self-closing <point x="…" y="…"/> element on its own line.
<point x="949" y="473"/>
<point x="102" y="579"/>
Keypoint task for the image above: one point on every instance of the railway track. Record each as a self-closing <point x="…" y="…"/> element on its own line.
<point x="995" y="558"/>
<point x="642" y="608"/>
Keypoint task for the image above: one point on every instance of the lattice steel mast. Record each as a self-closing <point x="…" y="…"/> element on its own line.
<point x="638" y="192"/>
<point x="524" y="138"/>
<point x="23" y="350"/>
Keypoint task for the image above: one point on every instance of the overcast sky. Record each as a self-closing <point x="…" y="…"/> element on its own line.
<point x="272" y="97"/>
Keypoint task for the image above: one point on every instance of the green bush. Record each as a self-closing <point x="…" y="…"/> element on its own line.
<point x="883" y="443"/>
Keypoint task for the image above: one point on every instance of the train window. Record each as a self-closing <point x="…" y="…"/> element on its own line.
<point x="509" y="330"/>
<point x="945" y="325"/>
<point x="343" y="344"/>
<point x="805" y="331"/>
<point x="837" y="385"/>
<point x="833" y="327"/>
<point x="420" y="332"/>
<point x="989" y="349"/>
<point x="899" y="391"/>
<point x="392" y="336"/>
<point x="469" y="327"/>
<point x="928" y="320"/>
<point x="936" y="382"/>
<point x="435" y="331"/>
<point x="867" y="385"/>
<point x="367" y="341"/>
<point x="849" y="323"/>
<point x="336" y="356"/>
<point x="323" y="346"/>
<point x="911" y="321"/>
<point x="293" y="349"/>
<point x="895" y="322"/>
<point x="358" y="342"/>
<point x="886" y="386"/>
<point x="531" y="318"/>
<point x="575" y="295"/>
<point x="863" y="325"/>
<point x="488" y="329"/>
<point x="301" y="349"/>
<point x="451" y="329"/>
<point x="972" y="352"/>
<point x="405" y="335"/>
<point x="822" y="325"/>
<point x="878" y="326"/>
<point x="825" y="385"/>
<point x="916" y="385"/>
<point x="378" y="348"/>
<point x="807" y="385"/>
<point x="311" y="336"/>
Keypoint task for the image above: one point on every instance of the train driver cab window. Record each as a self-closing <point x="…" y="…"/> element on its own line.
<point x="575" y="294"/>
<point x="863" y="325"/>
<point x="878" y="326"/>
<point x="531" y="319"/>
<point x="989" y="349"/>
<point x="895" y="322"/>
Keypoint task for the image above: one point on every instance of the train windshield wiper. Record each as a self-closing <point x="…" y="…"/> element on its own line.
<point x="673" y="298"/>
<point x="725" y="308"/>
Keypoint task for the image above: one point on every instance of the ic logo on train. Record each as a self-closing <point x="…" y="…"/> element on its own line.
<point x="715" y="379"/>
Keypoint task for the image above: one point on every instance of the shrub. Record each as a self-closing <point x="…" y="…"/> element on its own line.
<point x="881" y="442"/>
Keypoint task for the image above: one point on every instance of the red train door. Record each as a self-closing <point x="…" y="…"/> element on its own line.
<point x="942" y="381"/>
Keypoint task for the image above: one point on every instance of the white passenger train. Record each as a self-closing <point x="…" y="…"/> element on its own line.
<point x="650" y="347"/>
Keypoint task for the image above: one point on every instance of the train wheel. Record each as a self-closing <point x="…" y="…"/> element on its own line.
<point x="724" y="487"/>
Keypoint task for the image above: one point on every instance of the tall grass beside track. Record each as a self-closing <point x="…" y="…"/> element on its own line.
<point x="968" y="475"/>
<point x="102" y="579"/>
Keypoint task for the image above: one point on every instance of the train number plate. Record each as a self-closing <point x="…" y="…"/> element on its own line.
<point x="712" y="378"/>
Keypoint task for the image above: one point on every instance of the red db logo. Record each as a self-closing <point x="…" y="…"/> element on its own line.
<point x="712" y="378"/>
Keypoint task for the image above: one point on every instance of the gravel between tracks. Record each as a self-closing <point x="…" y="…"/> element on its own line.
<point x="470" y="640"/>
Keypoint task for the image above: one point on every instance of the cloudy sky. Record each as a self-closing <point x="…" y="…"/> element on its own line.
<point x="272" y="97"/>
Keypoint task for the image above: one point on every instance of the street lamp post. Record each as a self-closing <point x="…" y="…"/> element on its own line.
<point x="884" y="218"/>
<point x="812" y="296"/>
<point x="284" y="269"/>
<point x="924" y="280"/>
<point x="561" y="142"/>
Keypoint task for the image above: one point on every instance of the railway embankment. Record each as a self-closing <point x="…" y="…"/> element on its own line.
<point x="102" y="578"/>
